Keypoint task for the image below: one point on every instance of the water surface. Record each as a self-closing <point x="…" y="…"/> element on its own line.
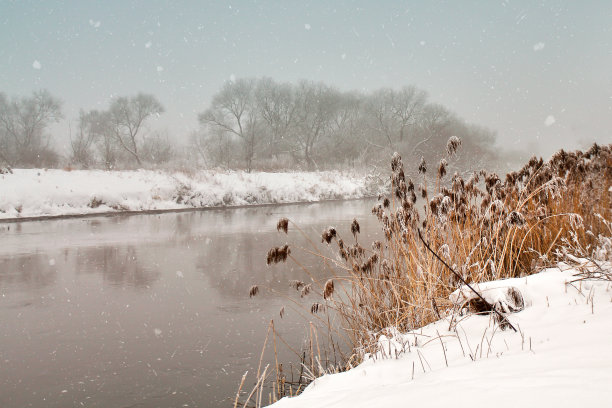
<point x="148" y="310"/>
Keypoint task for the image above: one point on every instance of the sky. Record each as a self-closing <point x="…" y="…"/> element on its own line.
<point x="539" y="73"/>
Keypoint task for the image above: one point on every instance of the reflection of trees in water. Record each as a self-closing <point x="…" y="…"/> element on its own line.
<point x="117" y="265"/>
<point x="32" y="270"/>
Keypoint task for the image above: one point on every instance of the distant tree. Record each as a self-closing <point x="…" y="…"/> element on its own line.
<point x="434" y="119"/>
<point x="380" y="114"/>
<point x="127" y="116"/>
<point x="406" y="107"/>
<point x="347" y="133"/>
<point x="316" y="106"/>
<point x="23" y="122"/>
<point x="275" y="104"/>
<point x="82" y="142"/>
<point x="234" y="111"/>
<point x="158" y="149"/>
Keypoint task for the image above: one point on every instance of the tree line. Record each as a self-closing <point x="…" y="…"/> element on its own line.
<point x="250" y="124"/>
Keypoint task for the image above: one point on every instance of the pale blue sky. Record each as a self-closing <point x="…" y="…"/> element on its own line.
<point x="507" y="65"/>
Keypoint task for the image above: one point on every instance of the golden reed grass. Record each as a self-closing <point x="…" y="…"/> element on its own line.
<point x="485" y="226"/>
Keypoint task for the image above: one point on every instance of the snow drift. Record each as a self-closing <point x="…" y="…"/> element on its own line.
<point x="559" y="357"/>
<point x="36" y="192"/>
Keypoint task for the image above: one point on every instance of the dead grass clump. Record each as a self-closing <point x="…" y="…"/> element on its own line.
<point x="484" y="228"/>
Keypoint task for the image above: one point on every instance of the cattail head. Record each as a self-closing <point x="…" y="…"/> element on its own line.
<point x="278" y="254"/>
<point x="296" y="284"/>
<point x="386" y="267"/>
<point x="328" y="290"/>
<point x="355" y="228"/>
<point x="515" y="219"/>
<point x="442" y="168"/>
<point x="328" y="235"/>
<point x="253" y="291"/>
<point x="452" y="145"/>
<point x="409" y="185"/>
<point x="422" y="166"/>
<point x="396" y="162"/>
<point x="386" y="202"/>
<point x="316" y="308"/>
<point x="282" y="225"/>
<point x="423" y="190"/>
<point x="445" y="205"/>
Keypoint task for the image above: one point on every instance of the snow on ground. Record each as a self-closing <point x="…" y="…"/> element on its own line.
<point x="560" y="357"/>
<point x="37" y="192"/>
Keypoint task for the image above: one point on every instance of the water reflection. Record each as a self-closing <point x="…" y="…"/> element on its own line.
<point x="148" y="310"/>
<point x="30" y="271"/>
<point x="119" y="266"/>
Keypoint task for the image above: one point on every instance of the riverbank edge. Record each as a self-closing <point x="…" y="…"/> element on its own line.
<point x="169" y="210"/>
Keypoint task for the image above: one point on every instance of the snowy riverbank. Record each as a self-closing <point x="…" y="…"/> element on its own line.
<point x="39" y="193"/>
<point x="558" y="358"/>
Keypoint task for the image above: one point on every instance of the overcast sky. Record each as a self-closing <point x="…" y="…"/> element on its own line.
<point x="537" y="72"/>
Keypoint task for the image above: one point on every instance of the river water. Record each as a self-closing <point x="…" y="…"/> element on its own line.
<point x="149" y="310"/>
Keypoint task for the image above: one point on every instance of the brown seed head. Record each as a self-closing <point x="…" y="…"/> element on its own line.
<point x="515" y="219"/>
<point x="355" y="228"/>
<point x="422" y="166"/>
<point x="296" y="284"/>
<point x="278" y="254"/>
<point x="442" y="168"/>
<point x="452" y="145"/>
<point x="282" y="225"/>
<point x="316" y="308"/>
<point x="253" y="291"/>
<point x="328" y="235"/>
<point x="328" y="291"/>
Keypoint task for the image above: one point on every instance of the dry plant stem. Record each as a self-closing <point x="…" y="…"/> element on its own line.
<point x="240" y="388"/>
<point x="490" y="306"/>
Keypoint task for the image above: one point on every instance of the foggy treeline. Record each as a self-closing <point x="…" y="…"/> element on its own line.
<point x="251" y="124"/>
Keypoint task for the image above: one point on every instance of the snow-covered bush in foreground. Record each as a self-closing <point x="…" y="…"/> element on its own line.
<point x="33" y="193"/>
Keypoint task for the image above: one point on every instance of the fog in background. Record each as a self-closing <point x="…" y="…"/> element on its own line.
<point x="539" y="74"/>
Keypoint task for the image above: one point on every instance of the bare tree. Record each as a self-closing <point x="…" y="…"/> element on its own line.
<point x="127" y="117"/>
<point x="81" y="144"/>
<point x="316" y="106"/>
<point x="234" y="111"/>
<point x="348" y="133"/>
<point x="276" y="107"/>
<point x="406" y="107"/>
<point x="433" y="120"/>
<point x="22" y="125"/>
<point x="158" y="149"/>
<point x="379" y="109"/>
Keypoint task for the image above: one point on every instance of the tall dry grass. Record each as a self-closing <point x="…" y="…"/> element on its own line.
<point x="486" y="227"/>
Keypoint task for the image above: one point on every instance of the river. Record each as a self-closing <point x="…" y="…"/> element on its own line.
<point x="149" y="310"/>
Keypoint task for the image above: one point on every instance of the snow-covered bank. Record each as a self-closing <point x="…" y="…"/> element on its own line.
<point x="560" y="357"/>
<point x="36" y="192"/>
